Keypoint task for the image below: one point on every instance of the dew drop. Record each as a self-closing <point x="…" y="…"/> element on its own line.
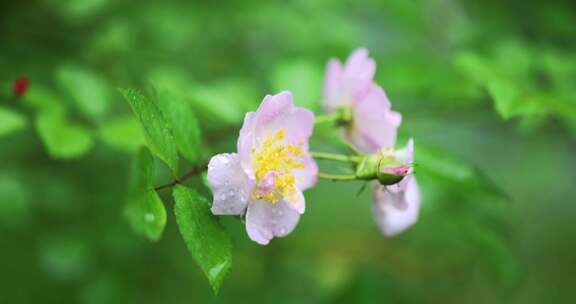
<point x="149" y="217"/>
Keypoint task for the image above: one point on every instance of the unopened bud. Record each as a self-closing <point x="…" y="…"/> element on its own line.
<point x="390" y="175"/>
<point x="383" y="167"/>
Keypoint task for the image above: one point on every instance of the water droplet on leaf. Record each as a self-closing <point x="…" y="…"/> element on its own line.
<point x="149" y="217"/>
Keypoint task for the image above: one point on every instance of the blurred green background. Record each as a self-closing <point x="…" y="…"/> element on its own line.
<point x="487" y="89"/>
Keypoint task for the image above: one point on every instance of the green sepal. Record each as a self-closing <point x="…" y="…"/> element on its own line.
<point x="387" y="179"/>
<point x="370" y="166"/>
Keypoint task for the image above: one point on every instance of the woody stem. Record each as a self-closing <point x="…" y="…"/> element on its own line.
<point x="198" y="169"/>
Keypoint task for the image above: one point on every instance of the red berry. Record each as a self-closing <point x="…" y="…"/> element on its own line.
<point x="20" y="86"/>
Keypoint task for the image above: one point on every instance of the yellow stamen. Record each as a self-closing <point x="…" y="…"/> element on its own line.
<point x="276" y="155"/>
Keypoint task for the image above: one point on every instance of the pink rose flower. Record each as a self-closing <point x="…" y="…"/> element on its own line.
<point x="396" y="207"/>
<point x="372" y="128"/>
<point x="350" y="86"/>
<point x="266" y="177"/>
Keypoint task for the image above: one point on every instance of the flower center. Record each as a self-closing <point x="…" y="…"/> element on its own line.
<point x="274" y="161"/>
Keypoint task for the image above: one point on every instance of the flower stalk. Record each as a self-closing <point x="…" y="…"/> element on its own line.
<point x="336" y="157"/>
<point x="337" y="177"/>
<point x="340" y="117"/>
<point x="379" y="167"/>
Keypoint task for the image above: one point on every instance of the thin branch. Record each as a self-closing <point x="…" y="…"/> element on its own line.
<point x="193" y="172"/>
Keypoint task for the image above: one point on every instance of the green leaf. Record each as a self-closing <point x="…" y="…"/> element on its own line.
<point x="63" y="139"/>
<point x="475" y="67"/>
<point x="144" y="208"/>
<point x="505" y="97"/>
<point x="184" y="124"/>
<point x="15" y="203"/>
<point x="303" y="78"/>
<point x="561" y="68"/>
<point x="65" y="255"/>
<point x="496" y="255"/>
<point x="513" y="59"/>
<point x="156" y="128"/>
<point x="447" y="168"/>
<point x="225" y="101"/>
<point x="216" y="104"/>
<point x="88" y="90"/>
<point x="124" y="133"/>
<point x="42" y="99"/>
<point x="205" y="238"/>
<point x="10" y="121"/>
<point x="508" y="77"/>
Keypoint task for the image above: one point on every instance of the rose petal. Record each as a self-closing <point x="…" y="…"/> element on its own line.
<point x="394" y="118"/>
<point x="374" y="123"/>
<point x="265" y="220"/>
<point x="266" y="185"/>
<point x="299" y="204"/>
<point x="246" y="137"/>
<point x="396" y="212"/>
<point x="272" y="107"/>
<point x="229" y="183"/>
<point x="405" y="156"/>
<point x="348" y="84"/>
<point x="358" y="75"/>
<point x="274" y="114"/>
<point x="332" y="86"/>
<point x="306" y="178"/>
<point x="277" y="113"/>
<point x="360" y="67"/>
